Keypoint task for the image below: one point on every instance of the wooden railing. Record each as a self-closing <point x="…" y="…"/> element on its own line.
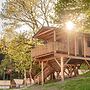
<point x="49" y="47"/>
<point x="42" y="49"/>
<point x="61" y="47"/>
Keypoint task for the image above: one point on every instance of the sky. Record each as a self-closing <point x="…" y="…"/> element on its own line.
<point x="0" y="10"/>
<point x="20" y="29"/>
<point x="1" y="1"/>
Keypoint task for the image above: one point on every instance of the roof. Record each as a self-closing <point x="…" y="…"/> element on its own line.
<point x="47" y="32"/>
<point x="44" y="31"/>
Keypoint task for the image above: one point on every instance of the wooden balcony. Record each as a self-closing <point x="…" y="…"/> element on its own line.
<point x="42" y="49"/>
<point x="49" y="48"/>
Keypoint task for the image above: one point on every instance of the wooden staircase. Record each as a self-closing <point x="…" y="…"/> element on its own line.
<point x="47" y="71"/>
<point x="52" y="66"/>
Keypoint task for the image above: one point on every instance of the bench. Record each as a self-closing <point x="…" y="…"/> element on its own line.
<point x="19" y="82"/>
<point x="5" y="84"/>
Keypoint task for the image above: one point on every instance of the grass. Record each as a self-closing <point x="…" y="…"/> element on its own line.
<point x="87" y="74"/>
<point x="73" y="84"/>
<point x="79" y="83"/>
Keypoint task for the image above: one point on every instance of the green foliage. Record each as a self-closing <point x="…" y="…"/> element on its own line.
<point x="34" y="13"/>
<point x="19" y="51"/>
<point x="77" y="11"/>
<point x="87" y="74"/>
<point x="19" y="12"/>
<point x="35" y="69"/>
<point x="84" y="66"/>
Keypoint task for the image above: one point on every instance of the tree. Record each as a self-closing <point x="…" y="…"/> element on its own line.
<point x="19" y="52"/>
<point x="34" y="13"/>
<point x="77" y="11"/>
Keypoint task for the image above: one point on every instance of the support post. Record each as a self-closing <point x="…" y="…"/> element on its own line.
<point x="68" y="43"/>
<point x="75" y="45"/>
<point x="62" y="69"/>
<point x="84" y="46"/>
<point x="42" y="73"/>
<point x="54" y="42"/>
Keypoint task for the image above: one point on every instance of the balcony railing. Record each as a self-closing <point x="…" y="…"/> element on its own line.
<point x="49" y="47"/>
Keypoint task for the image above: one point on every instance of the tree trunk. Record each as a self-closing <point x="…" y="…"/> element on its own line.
<point x="25" y="83"/>
<point x="30" y="74"/>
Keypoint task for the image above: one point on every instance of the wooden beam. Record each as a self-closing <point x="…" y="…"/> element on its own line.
<point x="84" y="42"/>
<point x="68" y="43"/>
<point x="54" y="42"/>
<point x="77" y="57"/>
<point x="87" y="64"/>
<point x="72" y="57"/>
<point x="47" y="31"/>
<point x="45" y="55"/>
<point x="57" y="62"/>
<point x="42" y="74"/>
<point x="46" y="36"/>
<point x="67" y="61"/>
<point x="62" y="69"/>
<point x="75" y="45"/>
<point x="59" y="55"/>
<point x="47" y="59"/>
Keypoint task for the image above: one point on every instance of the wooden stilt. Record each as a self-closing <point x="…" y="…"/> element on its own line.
<point x="62" y="69"/>
<point x="70" y="71"/>
<point x="77" y="73"/>
<point x="42" y="73"/>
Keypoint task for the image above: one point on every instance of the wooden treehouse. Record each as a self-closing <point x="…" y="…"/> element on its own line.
<point x="62" y="52"/>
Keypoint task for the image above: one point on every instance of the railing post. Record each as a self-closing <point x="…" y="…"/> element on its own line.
<point x="84" y="41"/>
<point x="54" y="42"/>
<point x="75" y="45"/>
<point x="42" y="74"/>
<point x="68" y="42"/>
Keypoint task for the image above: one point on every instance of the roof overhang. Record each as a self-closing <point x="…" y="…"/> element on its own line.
<point x="45" y="33"/>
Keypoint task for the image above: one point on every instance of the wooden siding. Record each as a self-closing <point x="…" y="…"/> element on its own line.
<point x="71" y="43"/>
<point x="87" y="48"/>
<point x="88" y="51"/>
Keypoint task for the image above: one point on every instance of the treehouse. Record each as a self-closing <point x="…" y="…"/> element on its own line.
<point x="62" y="51"/>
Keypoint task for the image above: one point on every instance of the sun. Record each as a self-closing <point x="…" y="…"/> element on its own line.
<point x="70" y="25"/>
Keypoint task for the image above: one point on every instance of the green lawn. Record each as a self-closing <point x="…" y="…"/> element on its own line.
<point x="80" y="83"/>
<point x="87" y="74"/>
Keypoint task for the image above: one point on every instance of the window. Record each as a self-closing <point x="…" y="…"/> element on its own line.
<point x="88" y="41"/>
